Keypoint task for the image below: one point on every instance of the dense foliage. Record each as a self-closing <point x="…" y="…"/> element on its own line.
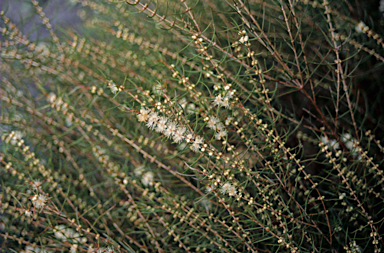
<point x="193" y="126"/>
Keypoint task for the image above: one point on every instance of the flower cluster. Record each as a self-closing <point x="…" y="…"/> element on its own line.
<point x="332" y="144"/>
<point x="147" y="178"/>
<point x="101" y="250"/>
<point x="113" y="87"/>
<point x="223" y="100"/>
<point x="361" y="27"/>
<point x="351" y="144"/>
<point x="348" y="141"/>
<point x="15" y="137"/>
<point x="353" y="248"/>
<point x="215" y="124"/>
<point x="170" y="129"/>
<point x="56" y="101"/>
<point x="52" y="98"/>
<point x="36" y="184"/>
<point x="28" y="213"/>
<point x="228" y="188"/>
<point x="106" y="250"/>
<point x="244" y="38"/>
<point x="39" y="201"/>
<point x="210" y="188"/>
<point x="35" y="249"/>
<point x="68" y="234"/>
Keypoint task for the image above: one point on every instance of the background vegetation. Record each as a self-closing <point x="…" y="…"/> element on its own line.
<point x="193" y="126"/>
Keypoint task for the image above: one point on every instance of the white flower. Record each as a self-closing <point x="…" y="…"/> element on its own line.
<point x="39" y="201"/>
<point x="228" y="121"/>
<point x="218" y="100"/>
<point x="361" y="27"/>
<point x="221" y="134"/>
<point x="212" y="122"/>
<point x="189" y="137"/>
<point x="244" y="39"/>
<point x="330" y="143"/>
<point x="334" y="144"/>
<point x="229" y="95"/>
<point x="348" y="141"/>
<point x="54" y="101"/>
<point x="225" y="188"/>
<point x="152" y="120"/>
<point x="195" y="147"/>
<point x="139" y="170"/>
<point x="196" y="144"/>
<point x="143" y="115"/>
<point x="113" y="88"/>
<point x="354" y="247"/>
<point x="183" y="103"/>
<point x="34" y="249"/>
<point x="220" y="127"/>
<point x="51" y="98"/>
<point x="17" y="136"/>
<point x="161" y="125"/>
<point x="199" y="140"/>
<point x="232" y="191"/>
<point x="147" y="178"/>
<point x="28" y="213"/>
<point x="171" y="129"/>
<point x="225" y="102"/>
<point x="67" y="234"/>
<point x="106" y="250"/>
<point x="179" y="134"/>
<point x="351" y="143"/>
<point x="210" y="188"/>
<point x="59" y="232"/>
<point x="36" y="184"/>
<point x="345" y="137"/>
<point x="216" y="87"/>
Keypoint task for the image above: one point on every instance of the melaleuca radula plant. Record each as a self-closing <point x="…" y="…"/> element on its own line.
<point x="193" y="126"/>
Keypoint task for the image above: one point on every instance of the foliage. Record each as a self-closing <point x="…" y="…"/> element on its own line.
<point x="194" y="126"/>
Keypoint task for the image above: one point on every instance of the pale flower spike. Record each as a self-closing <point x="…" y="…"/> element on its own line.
<point x="178" y="133"/>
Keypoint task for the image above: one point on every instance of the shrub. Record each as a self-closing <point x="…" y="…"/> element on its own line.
<point x="194" y="126"/>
